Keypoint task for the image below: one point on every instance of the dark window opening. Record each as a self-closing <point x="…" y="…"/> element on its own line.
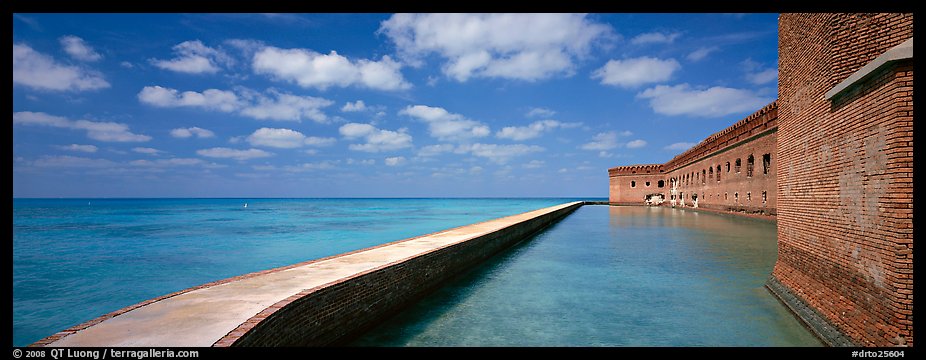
<point x="764" y="197"/>
<point x="725" y="196"/>
<point x="633" y="184"/>
<point x="647" y="184"/>
<point x="750" y="161"/>
<point x="736" y="197"/>
<point x="766" y="163"/>
<point x="737" y="166"/>
<point x="661" y="183"/>
<point x="718" y="173"/>
<point x="748" y="196"/>
<point x="710" y="174"/>
<point x="728" y="166"/>
<point x="703" y="176"/>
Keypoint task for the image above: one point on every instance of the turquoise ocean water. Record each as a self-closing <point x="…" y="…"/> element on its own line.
<point x="76" y="259"/>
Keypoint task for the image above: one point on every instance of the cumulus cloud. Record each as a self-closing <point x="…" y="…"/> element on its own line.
<point x="701" y="53"/>
<point x="533" y="130"/>
<point x="540" y="112"/>
<point x="193" y="57"/>
<point x="499" y="154"/>
<point x="446" y="126"/>
<point x="310" y="69"/>
<point x="534" y="164"/>
<point x="655" y="38"/>
<point x="355" y="106"/>
<point x="434" y="150"/>
<point x="211" y="99"/>
<point x="319" y="141"/>
<point x="278" y="138"/>
<point x="351" y="161"/>
<point x="395" y="161"/>
<point x="168" y="162"/>
<point x="227" y="153"/>
<point x="323" y="165"/>
<point x="147" y="150"/>
<point x="711" y="102"/>
<point x="680" y="146"/>
<point x="78" y="49"/>
<point x="758" y="74"/>
<point x="602" y="141"/>
<point x="102" y="131"/>
<point x="514" y="46"/>
<point x="275" y="105"/>
<point x="636" y="144"/>
<point x="377" y="140"/>
<point x="39" y="71"/>
<point x="80" y="148"/>
<point x="184" y="133"/>
<point x="636" y="71"/>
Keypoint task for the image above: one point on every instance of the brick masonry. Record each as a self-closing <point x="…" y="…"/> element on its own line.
<point x="840" y="182"/>
<point x="845" y="190"/>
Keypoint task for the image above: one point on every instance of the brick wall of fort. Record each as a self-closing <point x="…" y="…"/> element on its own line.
<point x="845" y="185"/>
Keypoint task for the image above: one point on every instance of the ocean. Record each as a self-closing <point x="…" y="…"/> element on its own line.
<point x="77" y="259"/>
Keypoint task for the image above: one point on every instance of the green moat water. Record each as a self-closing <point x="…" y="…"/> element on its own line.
<point x="613" y="276"/>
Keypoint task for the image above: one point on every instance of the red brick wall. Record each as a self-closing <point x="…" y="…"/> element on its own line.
<point x="735" y="191"/>
<point x="845" y="206"/>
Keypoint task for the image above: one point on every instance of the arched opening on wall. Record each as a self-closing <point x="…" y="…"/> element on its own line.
<point x="748" y="196"/>
<point x="766" y="163"/>
<point x="660" y="183"/>
<point x="710" y="173"/>
<point x="718" y="173"/>
<point x="728" y="166"/>
<point x="736" y="197"/>
<point x="737" y="166"/>
<point x="646" y="183"/>
<point x="703" y="176"/>
<point x="764" y="197"/>
<point x="633" y="184"/>
<point x="750" y="162"/>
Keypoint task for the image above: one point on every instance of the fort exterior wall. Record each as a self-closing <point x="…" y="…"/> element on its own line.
<point x="845" y="185"/>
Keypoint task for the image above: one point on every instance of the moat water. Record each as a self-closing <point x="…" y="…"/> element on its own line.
<point x="613" y="276"/>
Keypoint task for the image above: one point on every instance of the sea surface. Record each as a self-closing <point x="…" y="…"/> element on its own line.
<point x="77" y="259"/>
<point x="613" y="276"/>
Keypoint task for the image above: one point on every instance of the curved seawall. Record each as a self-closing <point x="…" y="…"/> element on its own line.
<point x="320" y="302"/>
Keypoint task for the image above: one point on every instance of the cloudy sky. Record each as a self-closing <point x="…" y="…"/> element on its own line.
<point x="372" y="105"/>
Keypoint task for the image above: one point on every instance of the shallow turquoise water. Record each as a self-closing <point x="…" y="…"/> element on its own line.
<point x="613" y="276"/>
<point x="76" y="259"/>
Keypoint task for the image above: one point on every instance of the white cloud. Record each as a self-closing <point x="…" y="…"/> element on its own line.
<point x="319" y="141"/>
<point x="757" y="74"/>
<point x="126" y="65"/>
<point x="500" y="154"/>
<point x="211" y="99"/>
<point x="351" y="161"/>
<point x="395" y="161"/>
<point x="288" y="107"/>
<point x="191" y="131"/>
<point x="39" y="71"/>
<point x="354" y="106"/>
<point x="78" y="49"/>
<point x="605" y="154"/>
<point x="67" y="161"/>
<point x="147" y="150"/>
<point x="514" y="46"/>
<point x="533" y="130"/>
<point x="701" y="53"/>
<point x="223" y="152"/>
<point x="81" y="148"/>
<point x="323" y="165"/>
<point x="102" y="131"/>
<point x="278" y="138"/>
<point x="636" y="71"/>
<point x="168" y="162"/>
<point x="311" y="69"/>
<point x="534" y="164"/>
<point x="377" y="140"/>
<point x="680" y="146"/>
<point x="655" y="38"/>
<point x="602" y="141"/>
<point x="446" y="126"/>
<point x="711" y="102"/>
<point x="636" y="144"/>
<point x="433" y="150"/>
<point x="277" y="106"/>
<point x="193" y="57"/>
<point x="540" y="112"/>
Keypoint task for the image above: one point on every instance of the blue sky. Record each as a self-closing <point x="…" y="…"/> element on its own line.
<point x="372" y="105"/>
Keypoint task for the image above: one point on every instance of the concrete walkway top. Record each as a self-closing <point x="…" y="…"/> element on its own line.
<point x="204" y="315"/>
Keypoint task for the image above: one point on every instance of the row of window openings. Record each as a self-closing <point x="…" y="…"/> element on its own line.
<point x="736" y="196"/>
<point x="705" y="174"/>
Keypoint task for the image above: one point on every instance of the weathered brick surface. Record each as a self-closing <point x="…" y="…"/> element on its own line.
<point x="845" y="184"/>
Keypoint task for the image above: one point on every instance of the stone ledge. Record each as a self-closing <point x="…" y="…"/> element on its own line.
<point x="899" y="52"/>
<point x="813" y="320"/>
